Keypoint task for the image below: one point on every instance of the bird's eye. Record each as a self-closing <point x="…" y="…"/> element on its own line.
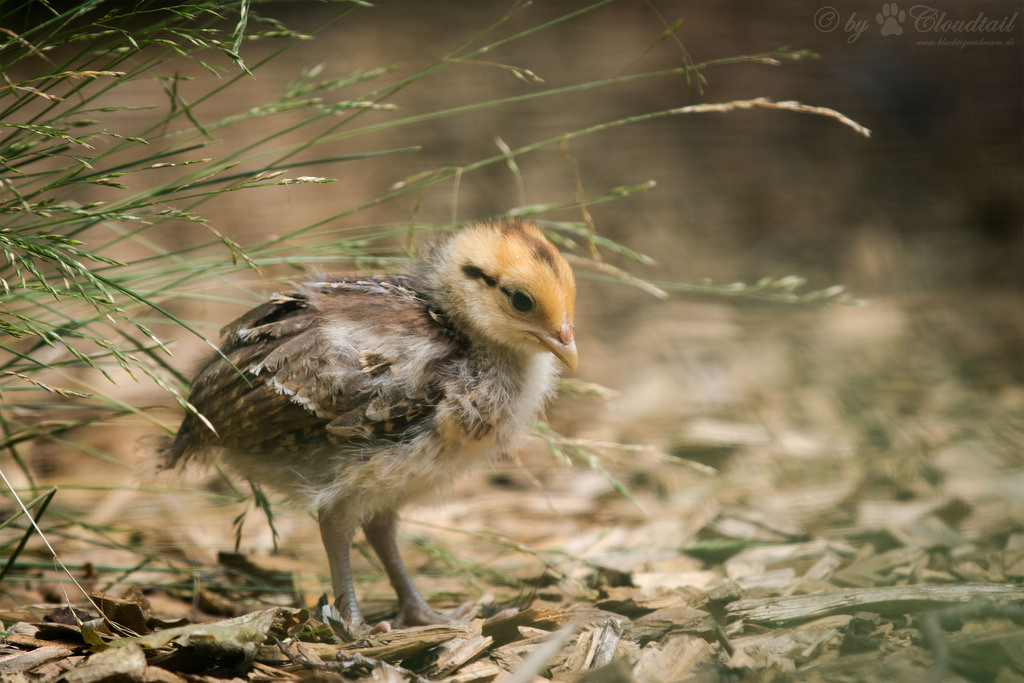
<point x="521" y="302"/>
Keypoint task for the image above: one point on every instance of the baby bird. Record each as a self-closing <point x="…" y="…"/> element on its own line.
<point x="355" y="396"/>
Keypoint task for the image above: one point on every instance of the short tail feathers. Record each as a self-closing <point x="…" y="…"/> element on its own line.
<point x="180" y="449"/>
<point x="169" y="451"/>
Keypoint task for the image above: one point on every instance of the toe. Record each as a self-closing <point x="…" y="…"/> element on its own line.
<point x="417" y="615"/>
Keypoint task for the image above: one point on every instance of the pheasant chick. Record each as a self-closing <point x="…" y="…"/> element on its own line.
<point x="355" y="396"/>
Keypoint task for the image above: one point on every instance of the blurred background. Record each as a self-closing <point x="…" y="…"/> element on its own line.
<point x="812" y="417"/>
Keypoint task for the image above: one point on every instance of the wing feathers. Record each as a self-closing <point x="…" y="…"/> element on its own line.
<point x="323" y="365"/>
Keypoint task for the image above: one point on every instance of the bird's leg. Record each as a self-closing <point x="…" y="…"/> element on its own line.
<point x="337" y="529"/>
<point x="412" y="608"/>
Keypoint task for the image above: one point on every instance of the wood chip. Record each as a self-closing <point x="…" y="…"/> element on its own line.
<point x="451" y="655"/>
<point x="701" y="580"/>
<point x="635" y="602"/>
<point x="541" y="655"/>
<point x="25" y="635"/>
<point x="117" y="663"/>
<point x="132" y="612"/>
<point x="885" y="600"/>
<point x="506" y="629"/>
<point x="759" y="559"/>
<point x="154" y="674"/>
<point x="392" y="646"/>
<point x="672" y="660"/>
<point x="26" y="661"/>
<point x="481" y="671"/>
<point x="606" y="644"/>
<point x="577" y="657"/>
<point x="776" y="580"/>
<point x="618" y="671"/>
<point x="673" y="621"/>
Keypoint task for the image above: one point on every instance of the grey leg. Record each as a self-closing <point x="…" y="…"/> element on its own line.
<point x="337" y="530"/>
<point x="412" y="608"/>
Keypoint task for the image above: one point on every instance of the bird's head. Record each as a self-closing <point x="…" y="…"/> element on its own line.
<point x="508" y="284"/>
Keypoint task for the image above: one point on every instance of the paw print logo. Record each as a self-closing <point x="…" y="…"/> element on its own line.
<point x="891" y="19"/>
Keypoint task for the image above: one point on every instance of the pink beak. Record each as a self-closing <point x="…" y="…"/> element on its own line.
<point x="562" y="345"/>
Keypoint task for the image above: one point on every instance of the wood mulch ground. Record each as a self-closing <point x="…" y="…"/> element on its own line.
<point x="834" y="500"/>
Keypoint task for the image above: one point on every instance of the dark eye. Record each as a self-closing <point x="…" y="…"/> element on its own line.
<point x="521" y="302"/>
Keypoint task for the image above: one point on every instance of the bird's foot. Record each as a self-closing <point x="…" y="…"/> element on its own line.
<point x="420" y="614"/>
<point x="417" y="614"/>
